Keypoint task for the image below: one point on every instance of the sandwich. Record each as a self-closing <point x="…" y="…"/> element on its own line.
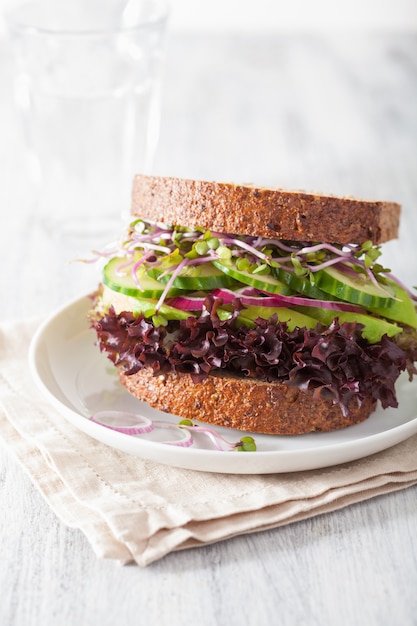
<point x="262" y="310"/>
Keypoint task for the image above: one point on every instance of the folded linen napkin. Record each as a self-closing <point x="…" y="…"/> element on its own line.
<point x="135" y="510"/>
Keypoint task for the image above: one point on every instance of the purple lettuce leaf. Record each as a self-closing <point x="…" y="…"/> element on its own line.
<point x="334" y="362"/>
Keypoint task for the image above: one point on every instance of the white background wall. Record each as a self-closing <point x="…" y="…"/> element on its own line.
<point x="281" y="15"/>
<point x="286" y="15"/>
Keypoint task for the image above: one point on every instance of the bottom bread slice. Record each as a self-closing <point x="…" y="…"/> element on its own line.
<point x="245" y="404"/>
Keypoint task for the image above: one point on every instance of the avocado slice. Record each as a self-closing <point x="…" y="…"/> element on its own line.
<point x="374" y="327"/>
<point x="293" y="317"/>
<point x="402" y="308"/>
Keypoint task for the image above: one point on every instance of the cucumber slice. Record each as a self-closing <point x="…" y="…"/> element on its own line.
<point x="294" y="318"/>
<point x="263" y="282"/>
<point x="301" y="285"/>
<point x="122" y="302"/>
<point x="195" y="278"/>
<point x="354" y="288"/>
<point x="119" y="278"/>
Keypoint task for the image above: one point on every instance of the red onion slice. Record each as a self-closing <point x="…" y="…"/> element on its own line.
<point x="186" y="303"/>
<point x="123" y="422"/>
<point x="186" y="438"/>
<point x="279" y="301"/>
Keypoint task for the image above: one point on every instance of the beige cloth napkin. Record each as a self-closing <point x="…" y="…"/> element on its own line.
<point x="135" y="510"/>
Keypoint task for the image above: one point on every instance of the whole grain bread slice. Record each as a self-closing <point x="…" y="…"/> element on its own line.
<point x="272" y="213"/>
<point x="241" y="403"/>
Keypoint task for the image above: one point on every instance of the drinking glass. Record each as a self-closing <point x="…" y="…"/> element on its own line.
<point x="87" y="84"/>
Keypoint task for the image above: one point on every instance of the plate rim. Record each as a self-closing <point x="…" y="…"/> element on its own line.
<point x="401" y="432"/>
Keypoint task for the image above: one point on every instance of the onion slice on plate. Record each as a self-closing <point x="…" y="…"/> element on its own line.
<point x="123" y="422"/>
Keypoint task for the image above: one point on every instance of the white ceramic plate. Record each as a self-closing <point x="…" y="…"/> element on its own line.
<point x="69" y="369"/>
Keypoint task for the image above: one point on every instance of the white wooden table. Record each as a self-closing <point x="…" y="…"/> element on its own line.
<point x="337" y="115"/>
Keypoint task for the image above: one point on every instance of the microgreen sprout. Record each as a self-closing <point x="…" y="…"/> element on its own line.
<point x="201" y="247"/>
<point x="213" y="243"/>
<point x="224" y="253"/>
<point x="173" y="243"/>
<point x="170" y="282"/>
<point x="245" y="444"/>
<point x="173" y="250"/>
<point x="299" y="269"/>
<point x="159" y="320"/>
<point x="261" y="269"/>
<point x="243" y="263"/>
<point x="133" y="424"/>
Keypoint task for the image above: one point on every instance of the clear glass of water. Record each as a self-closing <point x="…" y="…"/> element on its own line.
<point x="87" y="83"/>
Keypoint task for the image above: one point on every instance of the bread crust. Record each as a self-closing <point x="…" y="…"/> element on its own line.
<point x="244" y="404"/>
<point x="272" y="213"/>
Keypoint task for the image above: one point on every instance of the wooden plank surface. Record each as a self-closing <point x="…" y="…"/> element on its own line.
<point x="336" y="115"/>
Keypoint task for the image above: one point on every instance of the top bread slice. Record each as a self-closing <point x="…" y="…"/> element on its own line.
<point x="272" y="213"/>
